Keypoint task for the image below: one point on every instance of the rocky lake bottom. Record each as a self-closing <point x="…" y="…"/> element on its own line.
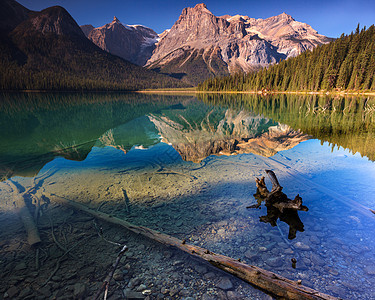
<point x="203" y="203"/>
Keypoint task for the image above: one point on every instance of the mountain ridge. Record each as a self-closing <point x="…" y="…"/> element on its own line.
<point x="228" y="44"/>
<point x="47" y="50"/>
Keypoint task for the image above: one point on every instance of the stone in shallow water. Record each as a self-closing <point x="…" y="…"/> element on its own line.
<point x="250" y="254"/>
<point x="274" y="262"/>
<point x="302" y="246"/>
<point x="225" y="284"/>
<point x="11" y="292"/>
<point x="202" y="269"/>
<point x="233" y="295"/>
<point x="79" y="290"/>
<point x="370" y="270"/>
<point x="317" y="260"/>
<point x="221" y="231"/>
<point x="129" y="294"/>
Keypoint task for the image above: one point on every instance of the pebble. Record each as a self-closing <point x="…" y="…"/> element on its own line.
<point x="314" y="239"/>
<point x="233" y="295"/>
<point x="79" y="290"/>
<point x="20" y="266"/>
<point x="25" y="292"/>
<point x="225" y="284"/>
<point x="221" y="231"/>
<point x="301" y="246"/>
<point x="134" y="282"/>
<point x="333" y="271"/>
<point x="209" y="275"/>
<point x="45" y="291"/>
<point x="222" y="223"/>
<point x="146" y="292"/>
<point x="370" y="270"/>
<point x="250" y="254"/>
<point x="200" y="268"/>
<point x="118" y="275"/>
<point x="317" y="260"/>
<point x="208" y="297"/>
<point x="288" y="251"/>
<point x="141" y="288"/>
<point x="129" y="294"/>
<point x="275" y="262"/>
<point x="11" y="292"/>
<point x="336" y="290"/>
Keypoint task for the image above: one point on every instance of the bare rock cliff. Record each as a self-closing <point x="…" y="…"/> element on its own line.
<point x="200" y="44"/>
<point x="134" y="43"/>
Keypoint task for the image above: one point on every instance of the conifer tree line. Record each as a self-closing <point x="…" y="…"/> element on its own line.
<point x="348" y="63"/>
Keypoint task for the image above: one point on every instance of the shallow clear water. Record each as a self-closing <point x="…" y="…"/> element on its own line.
<point x="188" y="167"/>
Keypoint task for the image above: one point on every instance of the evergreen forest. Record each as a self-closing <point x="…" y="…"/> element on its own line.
<point x="346" y="64"/>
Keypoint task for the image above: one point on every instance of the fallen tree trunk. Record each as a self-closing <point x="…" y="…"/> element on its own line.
<point x="25" y="215"/>
<point x="265" y="280"/>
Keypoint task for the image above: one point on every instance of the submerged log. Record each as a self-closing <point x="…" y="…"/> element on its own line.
<point x="265" y="280"/>
<point x="27" y="219"/>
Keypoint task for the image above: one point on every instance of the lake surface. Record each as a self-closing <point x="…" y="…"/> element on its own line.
<point x="186" y="166"/>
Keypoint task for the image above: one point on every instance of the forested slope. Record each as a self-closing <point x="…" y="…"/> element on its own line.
<point x="348" y="63"/>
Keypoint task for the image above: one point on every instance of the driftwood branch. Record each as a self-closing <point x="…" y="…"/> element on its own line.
<point x="109" y="277"/>
<point x="265" y="280"/>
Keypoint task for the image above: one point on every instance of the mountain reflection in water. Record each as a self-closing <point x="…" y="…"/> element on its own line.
<point x="38" y="127"/>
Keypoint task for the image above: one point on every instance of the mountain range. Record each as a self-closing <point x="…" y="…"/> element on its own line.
<point x="201" y="45"/>
<point x="48" y="50"/>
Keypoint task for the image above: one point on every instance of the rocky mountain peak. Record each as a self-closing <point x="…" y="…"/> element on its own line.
<point x="285" y="16"/>
<point x="200" y="6"/>
<point x="55" y="20"/>
<point x="134" y="43"/>
<point x="217" y="46"/>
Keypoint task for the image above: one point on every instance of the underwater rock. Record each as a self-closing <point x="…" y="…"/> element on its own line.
<point x="129" y="294"/>
<point x="200" y="268"/>
<point x="302" y="246"/>
<point x="370" y="270"/>
<point x="79" y="290"/>
<point x="233" y="295"/>
<point x="317" y="260"/>
<point x="11" y="292"/>
<point x="225" y="284"/>
<point x="118" y="275"/>
<point x="274" y="262"/>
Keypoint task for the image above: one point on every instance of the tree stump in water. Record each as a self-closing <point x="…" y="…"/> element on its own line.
<point x="279" y="206"/>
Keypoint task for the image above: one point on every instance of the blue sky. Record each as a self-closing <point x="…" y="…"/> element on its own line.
<point x="330" y="18"/>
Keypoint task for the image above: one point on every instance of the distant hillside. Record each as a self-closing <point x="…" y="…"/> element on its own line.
<point x="47" y="50"/>
<point x="345" y="64"/>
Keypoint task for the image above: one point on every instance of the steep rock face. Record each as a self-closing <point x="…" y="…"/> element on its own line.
<point x="87" y="29"/>
<point x="134" y="43"/>
<point x="227" y="44"/>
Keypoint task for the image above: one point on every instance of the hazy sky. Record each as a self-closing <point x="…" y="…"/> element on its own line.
<point x="330" y="18"/>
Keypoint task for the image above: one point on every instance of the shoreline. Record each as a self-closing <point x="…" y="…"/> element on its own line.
<point x="194" y="91"/>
